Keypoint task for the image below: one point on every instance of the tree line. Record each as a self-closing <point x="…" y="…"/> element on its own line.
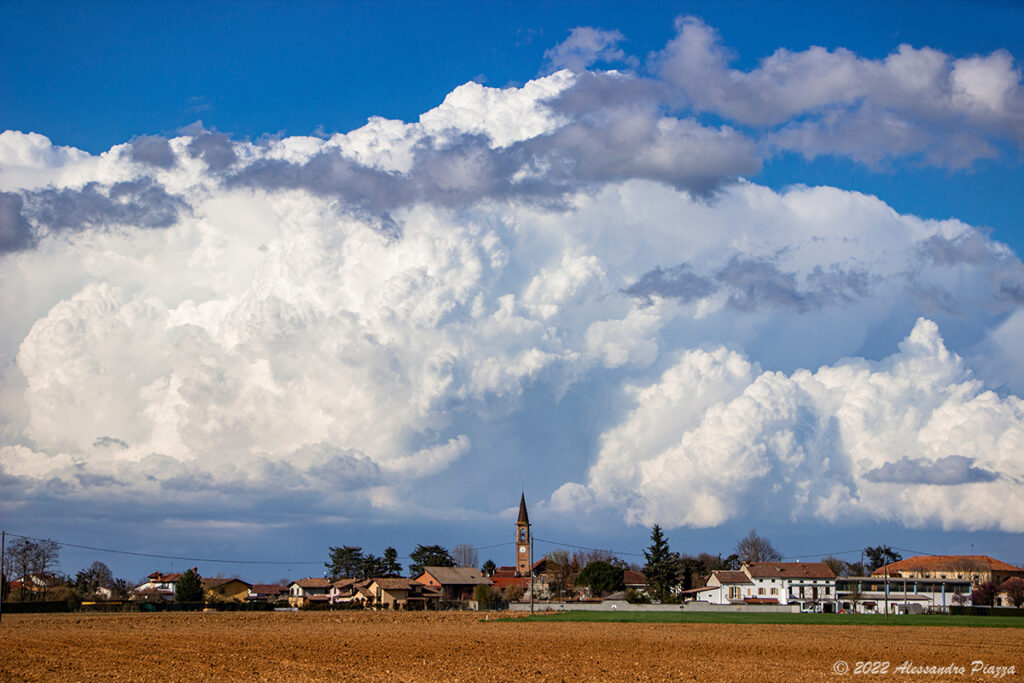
<point x="35" y="565"/>
<point x="349" y="561"/>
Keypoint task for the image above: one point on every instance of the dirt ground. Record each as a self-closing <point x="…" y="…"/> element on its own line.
<point x="462" y="647"/>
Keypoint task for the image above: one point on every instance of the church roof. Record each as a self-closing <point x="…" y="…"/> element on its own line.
<point x="523" y="517"/>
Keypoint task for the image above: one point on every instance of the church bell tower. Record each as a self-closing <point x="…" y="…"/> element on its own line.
<point x="524" y="559"/>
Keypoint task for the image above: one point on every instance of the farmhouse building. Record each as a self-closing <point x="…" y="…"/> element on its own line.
<point x="871" y="594"/>
<point x="977" y="569"/>
<point x="812" y="585"/>
<point x="454" y="583"/>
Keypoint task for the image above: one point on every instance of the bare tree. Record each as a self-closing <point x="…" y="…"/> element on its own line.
<point x="984" y="594"/>
<point x="465" y="555"/>
<point x="838" y="567"/>
<point x="855" y="568"/>
<point x="754" y="548"/>
<point x="1014" y="590"/>
<point x="32" y="562"/>
<point x="89" y="581"/>
<point x="855" y="597"/>
<point x="965" y="567"/>
<point x="561" y="570"/>
<point x="585" y="557"/>
<point x="120" y="589"/>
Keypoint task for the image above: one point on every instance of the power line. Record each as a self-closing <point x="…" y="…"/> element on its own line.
<point x="182" y="558"/>
<point x="841" y="552"/>
<point x="583" y="547"/>
<point x="488" y="547"/>
<point x="162" y="557"/>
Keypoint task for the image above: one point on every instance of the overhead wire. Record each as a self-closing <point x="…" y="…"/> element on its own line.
<point x="583" y="547"/>
<point x="183" y="558"/>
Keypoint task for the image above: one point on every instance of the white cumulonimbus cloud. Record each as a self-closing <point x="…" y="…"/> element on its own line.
<point x="333" y="317"/>
<point x="911" y="438"/>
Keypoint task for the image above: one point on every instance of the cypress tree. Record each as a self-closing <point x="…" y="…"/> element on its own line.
<point x="188" y="588"/>
<point x="661" y="568"/>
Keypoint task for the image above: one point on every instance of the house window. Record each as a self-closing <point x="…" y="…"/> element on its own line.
<point x="760" y="591"/>
<point x="775" y="591"/>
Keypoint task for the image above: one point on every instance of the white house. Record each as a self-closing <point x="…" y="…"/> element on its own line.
<point x="309" y="590"/>
<point x="810" y="584"/>
<point x="159" y="586"/>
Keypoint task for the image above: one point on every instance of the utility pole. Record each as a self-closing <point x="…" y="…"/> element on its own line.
<point x="531" y="573"/>
<point x="885" y="560"/>
<point x="3" y="576"/>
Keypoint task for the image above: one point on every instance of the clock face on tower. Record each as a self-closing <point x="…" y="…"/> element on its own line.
<point x="522" y="549"/>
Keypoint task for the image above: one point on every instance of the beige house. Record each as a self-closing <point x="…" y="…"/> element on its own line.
<point x="398" y="593"/>
<point x="977" y="568"/>
<point x="454" y="583"/>
<point x="225" y="590"/>
<point x="304" y="592"/>
<point x="343" y="590"/>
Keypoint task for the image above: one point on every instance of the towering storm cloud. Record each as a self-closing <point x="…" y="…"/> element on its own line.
<point x="354" y="317"/>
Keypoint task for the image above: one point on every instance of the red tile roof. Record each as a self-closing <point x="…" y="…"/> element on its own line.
<point x="948" y="563"/>
<point x="396" y="584"/>
<point x="311" y="582"/>
<point x="727" y="576"/>
<point x="790" y="570"/>
<point x="457" y="576"/>
<point x="267" y="589"/>
<point x="219" y="581"/>
<point x="632" y="578"/>
<point x="503" y="582"/>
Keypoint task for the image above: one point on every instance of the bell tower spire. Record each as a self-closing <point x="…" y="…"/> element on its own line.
<point x="523" y="559"/>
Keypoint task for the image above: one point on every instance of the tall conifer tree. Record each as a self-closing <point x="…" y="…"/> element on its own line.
<point x="661" y="568"/>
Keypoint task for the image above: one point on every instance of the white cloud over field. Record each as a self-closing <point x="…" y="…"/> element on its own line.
<point x="200" y="316"/>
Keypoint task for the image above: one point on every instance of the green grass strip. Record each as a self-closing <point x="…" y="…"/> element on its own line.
<point x="779" y="618"/>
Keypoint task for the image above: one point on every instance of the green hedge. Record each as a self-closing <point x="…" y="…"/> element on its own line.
<point x="36" y="606"/>
<point x="985" y="611"/>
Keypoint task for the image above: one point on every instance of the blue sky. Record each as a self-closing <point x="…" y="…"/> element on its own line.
<point x="233" y="306"/>
<point x="96" y="75"/>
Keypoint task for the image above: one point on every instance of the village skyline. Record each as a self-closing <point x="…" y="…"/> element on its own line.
<point x="275" y="279"/>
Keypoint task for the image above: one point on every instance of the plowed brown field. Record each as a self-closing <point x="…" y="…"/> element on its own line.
<point x="462" y="647"/>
